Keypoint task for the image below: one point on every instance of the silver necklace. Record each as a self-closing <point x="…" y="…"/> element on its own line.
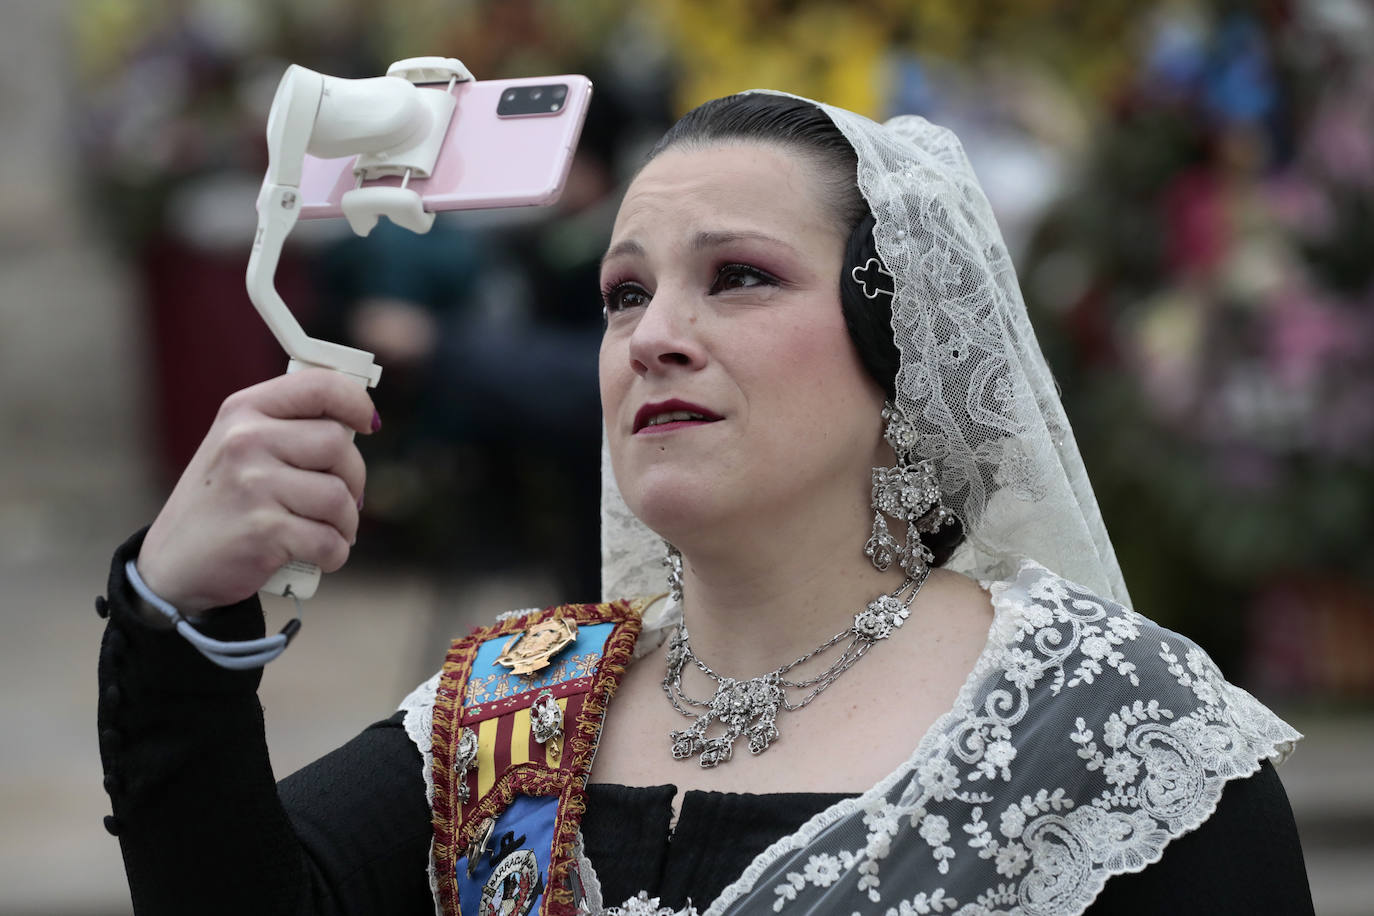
<point x="751" y="707"/>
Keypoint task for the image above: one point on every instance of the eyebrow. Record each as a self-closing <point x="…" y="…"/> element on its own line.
<point x="700" y="242"/>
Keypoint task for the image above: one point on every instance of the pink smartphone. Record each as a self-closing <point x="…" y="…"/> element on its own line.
<point x="510" y="144"/>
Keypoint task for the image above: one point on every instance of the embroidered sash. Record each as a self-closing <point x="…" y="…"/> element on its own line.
<point x="506" y="819"/>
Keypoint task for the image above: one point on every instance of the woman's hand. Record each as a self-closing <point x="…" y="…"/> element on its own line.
<point x="276" y="478"/>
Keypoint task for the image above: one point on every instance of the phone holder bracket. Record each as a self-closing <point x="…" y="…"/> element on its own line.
<point x="413" y="157"/>
<point x="417" y="153"/>
<point x="421" y="70"/>
<point x="363" y="207"/>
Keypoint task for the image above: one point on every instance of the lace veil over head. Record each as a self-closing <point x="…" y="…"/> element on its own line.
<point x="972" y="377"/>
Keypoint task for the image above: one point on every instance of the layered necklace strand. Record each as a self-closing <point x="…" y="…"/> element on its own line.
<point x="751" y="707"/>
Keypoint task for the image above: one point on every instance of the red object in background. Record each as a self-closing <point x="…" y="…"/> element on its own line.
<point x="1195" y="214"/>
<point x="207" y="340"/>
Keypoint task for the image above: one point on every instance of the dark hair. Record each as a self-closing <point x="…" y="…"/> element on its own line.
<point x="801" y="126"/>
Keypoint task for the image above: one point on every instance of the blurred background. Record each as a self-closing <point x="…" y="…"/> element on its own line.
<point x="1187" y="188"/>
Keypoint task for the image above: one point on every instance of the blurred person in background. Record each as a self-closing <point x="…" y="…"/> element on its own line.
<point x="827" y="417"/>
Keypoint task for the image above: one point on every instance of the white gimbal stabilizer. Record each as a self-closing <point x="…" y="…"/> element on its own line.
<point x="395" y="129"/>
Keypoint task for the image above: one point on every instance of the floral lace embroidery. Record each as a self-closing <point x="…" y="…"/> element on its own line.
<point x="418" y="721"/>
<point x="644" y="905"/>
<point x="1149" y="768"/>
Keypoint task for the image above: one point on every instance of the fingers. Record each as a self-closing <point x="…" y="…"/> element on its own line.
<point x="308" y="394"/>
<point x="310" y="541"/>
<point x="317" y="445"/>
<point x="277" y="477"/>
<point x="325" y="500"/>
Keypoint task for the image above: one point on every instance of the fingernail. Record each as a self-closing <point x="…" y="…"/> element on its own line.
<point x="360" y="504"/>
<point x="376" y="421"/>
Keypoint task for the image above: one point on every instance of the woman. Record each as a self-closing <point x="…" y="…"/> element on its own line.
<point x="863" y="536"/>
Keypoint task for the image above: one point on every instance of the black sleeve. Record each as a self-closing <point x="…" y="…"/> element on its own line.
<point x="201" y="823"/>
<point x="1244" y="859"/>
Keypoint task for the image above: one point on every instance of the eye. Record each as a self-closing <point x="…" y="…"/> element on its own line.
<point x="741" y="276"/>
<point x="620" y="296"/>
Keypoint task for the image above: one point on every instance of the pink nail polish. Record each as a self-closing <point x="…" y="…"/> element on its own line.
<point x="376" y="421"/>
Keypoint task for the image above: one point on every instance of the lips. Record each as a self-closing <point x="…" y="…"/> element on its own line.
<point x="672" y="414"/>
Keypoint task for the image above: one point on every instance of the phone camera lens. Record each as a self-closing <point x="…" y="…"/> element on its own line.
<point x="532" y="99"/>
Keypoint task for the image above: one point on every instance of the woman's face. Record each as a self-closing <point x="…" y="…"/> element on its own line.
<point x="729" y="384"/>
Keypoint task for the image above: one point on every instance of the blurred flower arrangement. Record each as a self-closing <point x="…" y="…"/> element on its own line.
<point x="1211" y="295"/>
<point x="850" y="52"/>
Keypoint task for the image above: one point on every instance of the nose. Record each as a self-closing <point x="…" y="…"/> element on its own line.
<point x="666" y="335"/>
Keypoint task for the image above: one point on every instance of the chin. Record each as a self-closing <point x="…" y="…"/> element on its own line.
<point x="671" y="505"/>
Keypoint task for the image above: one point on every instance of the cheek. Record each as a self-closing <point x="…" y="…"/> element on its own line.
<point x="610" y="381"/>
<point x="826" y="389"/>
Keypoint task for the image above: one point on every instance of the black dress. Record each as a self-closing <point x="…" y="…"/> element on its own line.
<point x="204" y="828"/>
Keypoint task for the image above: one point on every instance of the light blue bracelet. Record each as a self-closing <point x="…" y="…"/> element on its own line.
<point x="238" y="656"/>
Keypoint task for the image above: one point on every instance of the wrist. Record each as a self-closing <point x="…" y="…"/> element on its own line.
<point x="235" y="654"/>
<point x="155" y="606"/>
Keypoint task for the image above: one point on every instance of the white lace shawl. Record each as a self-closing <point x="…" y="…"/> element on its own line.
<point x="1084" y="740"/>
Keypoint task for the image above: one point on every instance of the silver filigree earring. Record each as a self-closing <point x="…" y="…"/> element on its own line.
<point x="673" y="560"/>
<point x="907" y="492"/>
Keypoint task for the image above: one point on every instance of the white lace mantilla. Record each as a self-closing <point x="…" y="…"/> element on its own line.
<point x="1084" y="740"/>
